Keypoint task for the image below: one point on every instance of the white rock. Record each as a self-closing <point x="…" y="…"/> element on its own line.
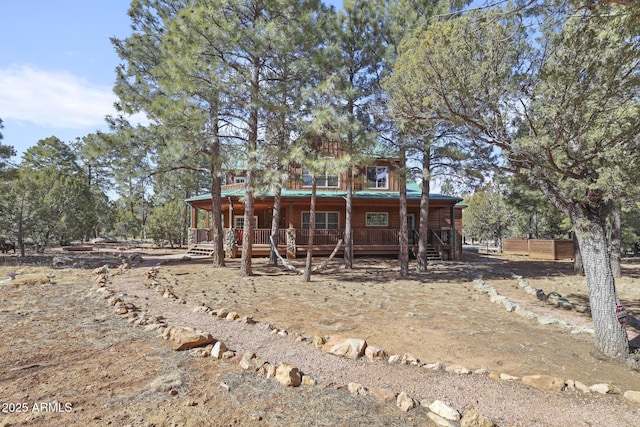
<point x="604" y="389"/>
<point x="508" y="377"/>
<point x="373" y="352"/>
<point x="444" y="410"/>
<point x="356" y="389"/>
<point x="632" y="395"/>
<point x="438" y="366"/>
<point x="218" y="350"/>
<point x="582" y="387"/>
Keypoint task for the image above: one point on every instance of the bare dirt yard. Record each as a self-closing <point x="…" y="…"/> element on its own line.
<point x="67" y="358"/>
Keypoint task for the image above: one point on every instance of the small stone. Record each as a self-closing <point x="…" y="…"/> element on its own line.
<point x="283" y="333"/>
<point x="308" y="381"/>
<point x="218" y="350"/>
<point x="383" y="394"/>
<point x="409" y="359"/>
<point x="404" y="402"/>
<point x="318" y="342"/>
<point x="373" y="352"/>
<point x="248" y="320"/>
<point x="632" y="395"/>
<point x="395" y="358"/>
<point x="288" y="375"/>
<point x="438" y="366"/>
<point x="232" y="316"/>
<point x="472" y="418"/>
<point x="356" y="389"/>
<point x="458" y="370"/>
<point x="173" y="392"/>
<point x="221" y="313"/>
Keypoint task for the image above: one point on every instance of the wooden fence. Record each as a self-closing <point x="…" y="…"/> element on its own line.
<point x="554" y="249"/>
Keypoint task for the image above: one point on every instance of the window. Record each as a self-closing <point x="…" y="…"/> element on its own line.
<point x="324" y="180"/>
<point x="377" y="219"/>
<point x="239" y="179"/>
<point x="239" y="221"/>
<point x="377" y="177"/>
<point x="324" y="220"/>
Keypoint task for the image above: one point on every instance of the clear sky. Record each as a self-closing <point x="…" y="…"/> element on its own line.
<point x="57" y="67"/>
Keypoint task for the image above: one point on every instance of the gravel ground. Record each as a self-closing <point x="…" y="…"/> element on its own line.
<point x="508" y="403"/>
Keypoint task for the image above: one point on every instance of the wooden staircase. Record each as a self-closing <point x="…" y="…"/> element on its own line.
<point x="432" y="253"/>
<point x="200" y="249"/>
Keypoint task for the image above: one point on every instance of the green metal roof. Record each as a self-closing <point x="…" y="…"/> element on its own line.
<point x="413" y="193"/>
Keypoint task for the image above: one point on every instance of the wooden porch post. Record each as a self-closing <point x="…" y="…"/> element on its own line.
<point x="290" y="215"/>
<point x="194" y="217"/>
<point x="453" y="240"/>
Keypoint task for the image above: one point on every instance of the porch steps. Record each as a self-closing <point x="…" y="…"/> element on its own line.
<point x="432" y="253"/>
<point x="200" y="250"/>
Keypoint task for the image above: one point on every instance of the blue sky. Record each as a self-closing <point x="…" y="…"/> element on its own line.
<point x="57" y="67"/>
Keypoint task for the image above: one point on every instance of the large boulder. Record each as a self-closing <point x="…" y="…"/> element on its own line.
<point x="351" y="348"/>
<point x="544" y="382"/>
<point x="186" y="337"/>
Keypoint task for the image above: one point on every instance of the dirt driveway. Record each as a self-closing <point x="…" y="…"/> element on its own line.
<point x="65" y="352"/>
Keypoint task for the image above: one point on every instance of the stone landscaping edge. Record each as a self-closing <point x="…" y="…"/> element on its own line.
<point x="202" y="344"/>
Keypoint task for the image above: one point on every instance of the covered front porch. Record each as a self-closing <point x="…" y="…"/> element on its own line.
<point x="295" y="242"/>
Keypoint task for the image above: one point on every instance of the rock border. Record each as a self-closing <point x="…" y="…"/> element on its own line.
<point x="289" y="375"/>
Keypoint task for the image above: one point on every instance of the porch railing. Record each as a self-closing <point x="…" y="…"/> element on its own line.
<point x="329" y="237"/>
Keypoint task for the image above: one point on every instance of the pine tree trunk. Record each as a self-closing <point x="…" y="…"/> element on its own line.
<point x="404" y="239"/>
<point x="578" y="266"/>
<point x="217" y="236"/>
<point x="348" y="235"/>
<point x="616" y="242"/>
<point x="312" y="230"/>
<point x="611" y="340"/>
<point x="252" y="146"/>
<point x="275" y="225"/>
<point x="423" y="233"/>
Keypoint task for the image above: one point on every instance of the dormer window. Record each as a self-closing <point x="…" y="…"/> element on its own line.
<point x="324" y="180"/>
<point x="377" y="177"/>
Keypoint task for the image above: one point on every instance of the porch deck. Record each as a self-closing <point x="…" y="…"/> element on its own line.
<point x="295" y="242"/>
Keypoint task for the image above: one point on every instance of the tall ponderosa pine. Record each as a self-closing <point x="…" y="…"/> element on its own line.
<point x="574" y="90"/>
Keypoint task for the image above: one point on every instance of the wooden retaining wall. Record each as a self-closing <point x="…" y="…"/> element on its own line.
<point x="553" y="249"/>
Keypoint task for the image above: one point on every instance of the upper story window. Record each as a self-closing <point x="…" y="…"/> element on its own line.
<point x="239" y="179"/>
<point x="324" y="180"/>
<point x="377" y="177"/>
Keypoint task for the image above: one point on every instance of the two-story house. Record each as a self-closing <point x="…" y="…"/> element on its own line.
<point x="375" y="215"/>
